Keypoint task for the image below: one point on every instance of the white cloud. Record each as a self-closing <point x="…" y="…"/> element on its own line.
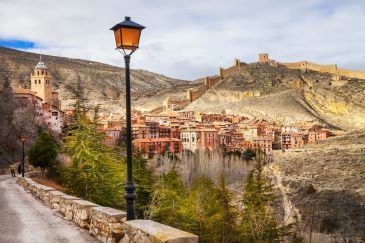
<point x="190" y="39"/>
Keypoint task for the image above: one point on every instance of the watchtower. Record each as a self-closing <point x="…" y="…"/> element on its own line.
<point x="263" y="57"/>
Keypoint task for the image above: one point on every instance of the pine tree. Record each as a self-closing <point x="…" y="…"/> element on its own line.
<point x="202" y="211"/>
<point x="228" y="213"/>
<point x="93" y="173"/>
<point x="167" y="198"/>
<point x="258" y="224"/>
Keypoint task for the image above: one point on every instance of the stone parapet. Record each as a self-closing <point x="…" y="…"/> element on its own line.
<point x="54" y="198"/>
<point x="81" y="212"/>
<point x="137" y="231"/>
<point x="66" y="206"/>
<point x="107" y="224"/>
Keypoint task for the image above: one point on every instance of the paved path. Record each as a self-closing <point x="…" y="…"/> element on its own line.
<point x="24" y="219"/>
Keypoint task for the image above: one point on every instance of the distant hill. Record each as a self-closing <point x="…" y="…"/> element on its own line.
<point x="272" y="91"/>
<point x="103" y="83"/>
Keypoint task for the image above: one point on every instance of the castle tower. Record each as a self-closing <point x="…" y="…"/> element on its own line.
<point x="41" y="82"/>
<point x="264" y="57"/>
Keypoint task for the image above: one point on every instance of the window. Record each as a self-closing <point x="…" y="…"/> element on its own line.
<point x="38" y="73"/>
<point x="42" y="72"/>
<point x="39" y="81"/>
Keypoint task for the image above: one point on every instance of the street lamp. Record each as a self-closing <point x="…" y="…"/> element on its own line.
<point x="23" y="139"/>
<point x="127" y="34"/>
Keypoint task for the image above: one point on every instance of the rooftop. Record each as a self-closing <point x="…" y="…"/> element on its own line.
<point x="41" y="66"/>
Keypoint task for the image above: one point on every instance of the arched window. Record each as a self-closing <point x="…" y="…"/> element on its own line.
<point x="39" y="81"/>
<point x="46" y="73"/>
<point x="42" y="72"/>
<point x="38" y="73"/>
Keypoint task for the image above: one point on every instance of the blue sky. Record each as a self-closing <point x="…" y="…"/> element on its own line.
<point x="17" y="44"/>
<point x="192" y="38"/>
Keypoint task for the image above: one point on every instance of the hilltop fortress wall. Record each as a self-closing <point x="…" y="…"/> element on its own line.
<point x="305" y="65"/>
<point x="209" y="81"/>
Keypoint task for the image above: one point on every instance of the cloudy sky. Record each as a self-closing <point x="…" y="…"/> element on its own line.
<point x="191" y="38"/>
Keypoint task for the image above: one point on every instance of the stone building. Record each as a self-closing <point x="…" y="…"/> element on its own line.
<point x="262" y="143"/>
<point x="41" y="84"/>
<point x="43" y="97"/>
<point x="193" y="139"/>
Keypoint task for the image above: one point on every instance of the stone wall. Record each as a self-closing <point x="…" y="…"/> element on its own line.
<point x="107" y="224"/>
<point x="209" y="81"/>
<point x="332" y="69"/>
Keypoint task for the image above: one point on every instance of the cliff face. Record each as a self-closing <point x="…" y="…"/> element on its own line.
<point x="275" y="92"/>
<point x="103" y="84"/>
<point x="342" y="106"/>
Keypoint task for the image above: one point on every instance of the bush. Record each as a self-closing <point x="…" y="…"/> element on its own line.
<point x="43" y="154"/>
<point x="328" y="225"/>
<point x="310" y="189"/>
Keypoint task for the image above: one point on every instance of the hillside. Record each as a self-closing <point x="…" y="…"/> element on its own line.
<point x="335" y="168"/>
<point x="287" y="95"/>
<point x="103" y="84"/>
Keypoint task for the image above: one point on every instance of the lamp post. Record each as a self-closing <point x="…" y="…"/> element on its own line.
<point x="127" y="35"/>
<point x="23" y="139"/>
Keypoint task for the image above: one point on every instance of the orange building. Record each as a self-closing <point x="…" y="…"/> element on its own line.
<point x="262" y="143"/>
<point x="153" y="146"/>
<point x="164" y="132"/>
<point x="292" y="140"/>
<point x="140" y="131"/>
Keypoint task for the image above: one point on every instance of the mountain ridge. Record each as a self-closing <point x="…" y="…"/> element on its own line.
<point x="103" y="83"/>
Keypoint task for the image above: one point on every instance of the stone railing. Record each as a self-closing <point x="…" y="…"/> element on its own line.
<point x="106" y="224"/>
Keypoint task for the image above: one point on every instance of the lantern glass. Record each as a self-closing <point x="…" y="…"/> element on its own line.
<point x="22" y="139"/>
<point x="118" y="38"/>
<point x="130" y="38"/>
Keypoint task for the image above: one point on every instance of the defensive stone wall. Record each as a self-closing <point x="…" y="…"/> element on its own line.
<point x="107" y="224"/>
<point x="305" y="65"/>
<point x="209" y="81"/>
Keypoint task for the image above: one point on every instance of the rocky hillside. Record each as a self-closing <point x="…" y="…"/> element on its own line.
<point x="103" y="84"/>
<point x="324" y="184"/>
<point x="287" y="95"/>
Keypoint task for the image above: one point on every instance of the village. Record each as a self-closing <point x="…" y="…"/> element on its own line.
<point x="173" y="131"/>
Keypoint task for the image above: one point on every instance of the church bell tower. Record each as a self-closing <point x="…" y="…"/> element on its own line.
<point x="41" y="82"/>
